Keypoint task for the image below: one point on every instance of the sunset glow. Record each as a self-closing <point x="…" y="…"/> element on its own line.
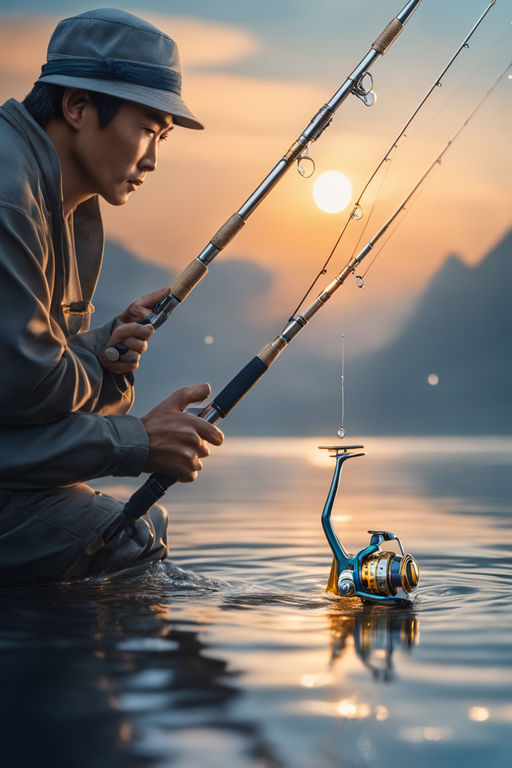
<point x="253" y="107"/>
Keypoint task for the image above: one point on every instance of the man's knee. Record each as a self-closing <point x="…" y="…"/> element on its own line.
<point x="132" y="544"/>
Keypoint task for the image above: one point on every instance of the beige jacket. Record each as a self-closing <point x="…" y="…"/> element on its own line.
<point x="63" y="417"/>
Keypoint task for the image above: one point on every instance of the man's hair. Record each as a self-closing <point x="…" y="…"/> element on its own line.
<point x="44" y="103"/>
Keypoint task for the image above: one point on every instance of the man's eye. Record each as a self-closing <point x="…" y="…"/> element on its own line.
<point x="164" y="137"/>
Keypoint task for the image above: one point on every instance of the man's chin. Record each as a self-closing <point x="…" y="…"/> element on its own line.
<point x="119" y="198"/>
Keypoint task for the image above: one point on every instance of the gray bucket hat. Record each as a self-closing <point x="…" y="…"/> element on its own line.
<point x="114" y="52"/>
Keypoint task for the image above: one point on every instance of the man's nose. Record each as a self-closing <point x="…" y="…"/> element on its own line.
<point x="149" y="161"/>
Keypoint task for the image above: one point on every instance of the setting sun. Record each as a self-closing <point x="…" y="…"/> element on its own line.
<point x="332" y="191"/>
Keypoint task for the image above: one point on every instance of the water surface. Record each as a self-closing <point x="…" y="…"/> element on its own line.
<point x="231" y="653"/>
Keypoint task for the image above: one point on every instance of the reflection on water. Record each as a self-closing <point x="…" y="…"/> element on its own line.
<point x="374" y="634"/>
<point x="233" y="655"/>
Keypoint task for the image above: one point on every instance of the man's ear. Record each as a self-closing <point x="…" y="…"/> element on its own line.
<point x="75" y="102"/>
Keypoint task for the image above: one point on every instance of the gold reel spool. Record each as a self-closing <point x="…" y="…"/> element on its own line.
<point x="382" y="573"/>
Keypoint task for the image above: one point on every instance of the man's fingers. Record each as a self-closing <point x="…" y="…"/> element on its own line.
<point x="195" y="393"/>
<point x="189" y="473"/>
<point x="136" y="312"/>
<point x="143" y="306"/>
<point x="179" y="440"/>
<point x="135" y="337"/>
<point x="204" y="450"/>
<point x="137" y="345"/>
<point x="179" y="400"/>
<point x="207" y="431"/>
<point x="151" y="299"/>
<point x="134" y="330"/>
<point x="140" y="308"/>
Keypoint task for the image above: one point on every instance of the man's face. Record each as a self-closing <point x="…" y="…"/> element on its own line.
<point x="113" y="161"/>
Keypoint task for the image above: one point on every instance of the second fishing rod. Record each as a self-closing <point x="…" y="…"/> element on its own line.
<point x="157" y="484"/>
<point x="358" y="83"/>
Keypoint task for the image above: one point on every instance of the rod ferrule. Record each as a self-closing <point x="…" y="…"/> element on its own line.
<point x="293" y="328"/>
<point x="210" y="414"/>
<point x="367" y="248"/>
<point x="269" y="353"/>
<point x="296" y="148"/>
<point x="208" y="254"/>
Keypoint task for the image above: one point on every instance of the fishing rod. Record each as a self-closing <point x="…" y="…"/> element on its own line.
<point x="360" y="84"/>
<point x="157" y="484"/>
<point x="357" y="211"/>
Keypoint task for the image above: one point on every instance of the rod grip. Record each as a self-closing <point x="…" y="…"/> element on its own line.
<point x="188" y="279"/>
<point x="388" y="36"/>
<point x="157" y="484"/>
<point x="227" y="232"/>
<point x="148" y="494"/>
<point x="239" y="386"/>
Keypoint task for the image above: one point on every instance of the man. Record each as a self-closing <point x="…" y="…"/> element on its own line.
<point x="109" y="93"/>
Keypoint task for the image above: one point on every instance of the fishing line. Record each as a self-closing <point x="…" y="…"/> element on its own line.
<point x="360" y="278"/>
<point x="358" y="83"/>
<point x="357" y="210"/>
<point x="341" y="431"/>
<point x="414" y="195"/>
<point x="461" y="87"/>
<point x="221" y="405"/>
<point x="369" y="217"/>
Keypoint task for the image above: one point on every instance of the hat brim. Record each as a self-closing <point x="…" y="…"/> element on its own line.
<point x="165" y="101"/>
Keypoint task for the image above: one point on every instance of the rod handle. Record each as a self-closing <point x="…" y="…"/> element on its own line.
<point x="148" y="494"/>
<point x="179" y="289"/>
<point x="157" y="484"/>
<point x="227" y="232"/>
<point x="239" y="386"/>
<point x="187" y="280"/>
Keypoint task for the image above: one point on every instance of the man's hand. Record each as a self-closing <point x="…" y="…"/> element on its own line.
<point x="135" y="337"/>
<point x="140" y="308"/>
<point x="132" y="334"/>
<point x="178" y="440"/>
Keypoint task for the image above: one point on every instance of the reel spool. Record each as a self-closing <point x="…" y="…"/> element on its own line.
<point x="374" y="574"/>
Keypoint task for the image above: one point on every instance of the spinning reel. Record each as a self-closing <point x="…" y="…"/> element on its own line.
<point x="373" y="574"/>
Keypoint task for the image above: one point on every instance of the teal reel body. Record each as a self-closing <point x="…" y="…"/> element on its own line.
<point x="373" y="574"/>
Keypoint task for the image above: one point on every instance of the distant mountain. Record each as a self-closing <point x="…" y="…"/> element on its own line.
<point x="459" y="335"/>
<point x="459" y="331"/>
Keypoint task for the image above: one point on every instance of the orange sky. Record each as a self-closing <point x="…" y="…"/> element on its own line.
<point x="203" y="177"/>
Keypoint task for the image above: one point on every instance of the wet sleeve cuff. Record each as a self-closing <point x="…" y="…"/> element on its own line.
<point x="132" y="444"/>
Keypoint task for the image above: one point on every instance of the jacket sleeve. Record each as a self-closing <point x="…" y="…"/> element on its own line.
<point x="76" y="448"/>
<point x="55" y="397"/>
<point x="45" y="376"/>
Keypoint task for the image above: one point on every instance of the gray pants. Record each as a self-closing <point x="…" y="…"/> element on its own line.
<point x="73" y="531"/>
